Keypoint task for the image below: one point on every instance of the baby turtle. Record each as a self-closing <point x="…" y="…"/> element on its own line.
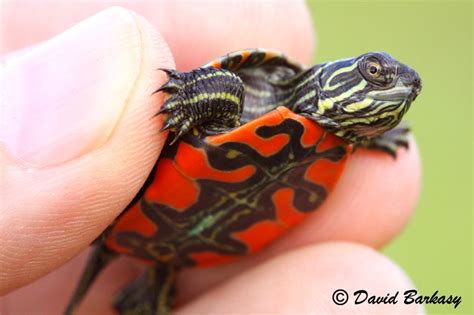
<point x="257" y="143"/>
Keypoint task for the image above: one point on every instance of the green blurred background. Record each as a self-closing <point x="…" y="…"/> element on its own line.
<point x="435" y="38"/>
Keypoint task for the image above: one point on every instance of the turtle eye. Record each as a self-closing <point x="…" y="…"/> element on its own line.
<point x="373" y="71"/>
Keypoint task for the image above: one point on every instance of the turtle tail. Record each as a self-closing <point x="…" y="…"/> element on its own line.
<point x="99" y="258"/>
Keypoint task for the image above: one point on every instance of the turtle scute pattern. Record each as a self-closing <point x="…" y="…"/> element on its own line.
<point x="220" y="197"/>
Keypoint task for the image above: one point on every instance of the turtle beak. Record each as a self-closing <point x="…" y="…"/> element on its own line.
<point x="402" y="90"/>
<point x="411" y="79"/>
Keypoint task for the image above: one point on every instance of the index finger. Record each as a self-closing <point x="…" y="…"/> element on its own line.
<point x="195" y="31"/>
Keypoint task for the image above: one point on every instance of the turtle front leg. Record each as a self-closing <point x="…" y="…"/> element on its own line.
<point x="209" y="99"/>
<point x="151" y="294"/>
<point x="389" y="141"/>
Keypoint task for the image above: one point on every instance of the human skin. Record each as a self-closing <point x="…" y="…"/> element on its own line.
<point x="62" y="184"/>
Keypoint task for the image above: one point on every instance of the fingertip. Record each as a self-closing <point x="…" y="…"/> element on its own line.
<point x="382" y="194"/>
<point x="303" y="281"/>
<point x="235" y="25"/>
<point x="197" y="32"/>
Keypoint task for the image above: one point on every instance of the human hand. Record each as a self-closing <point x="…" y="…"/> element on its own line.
<point x="77" y="142"/>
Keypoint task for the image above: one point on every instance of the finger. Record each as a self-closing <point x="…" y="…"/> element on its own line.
<point x="371" y="204"/>
<point x="77" y="138"/>
<point x="50" y="294"/>
<point x="305" y="277"/>
<point x="197" y="31"/>
<point x="303" y="281"/>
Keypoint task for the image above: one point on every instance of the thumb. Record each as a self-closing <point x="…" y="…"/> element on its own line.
<point x="77" y="138"/>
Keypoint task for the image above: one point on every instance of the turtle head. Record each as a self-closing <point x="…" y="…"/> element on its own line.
<point x="363" y="97"/>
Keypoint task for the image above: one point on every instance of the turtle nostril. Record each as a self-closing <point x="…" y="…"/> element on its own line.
<point x="416" y="82"/>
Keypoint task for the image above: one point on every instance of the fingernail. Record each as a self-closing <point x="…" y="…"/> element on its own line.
<point x="64" y="97"/>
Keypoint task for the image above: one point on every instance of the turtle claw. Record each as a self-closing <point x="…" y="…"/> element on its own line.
<point x="163" y="110"/>
<point x="167" y="125"/>
<point x="169" y="72"/>
<point x="168" y="87"/>
<point x="173" y="105"/>
<point x="179" y="126"/>
<point x="178" y="118"/>
<point x="174" y="83"/>
<point x="177" y="136"/>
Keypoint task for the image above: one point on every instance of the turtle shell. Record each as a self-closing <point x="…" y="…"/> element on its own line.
<point x="212" y="199"/>
<point x="255" y="58"/>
